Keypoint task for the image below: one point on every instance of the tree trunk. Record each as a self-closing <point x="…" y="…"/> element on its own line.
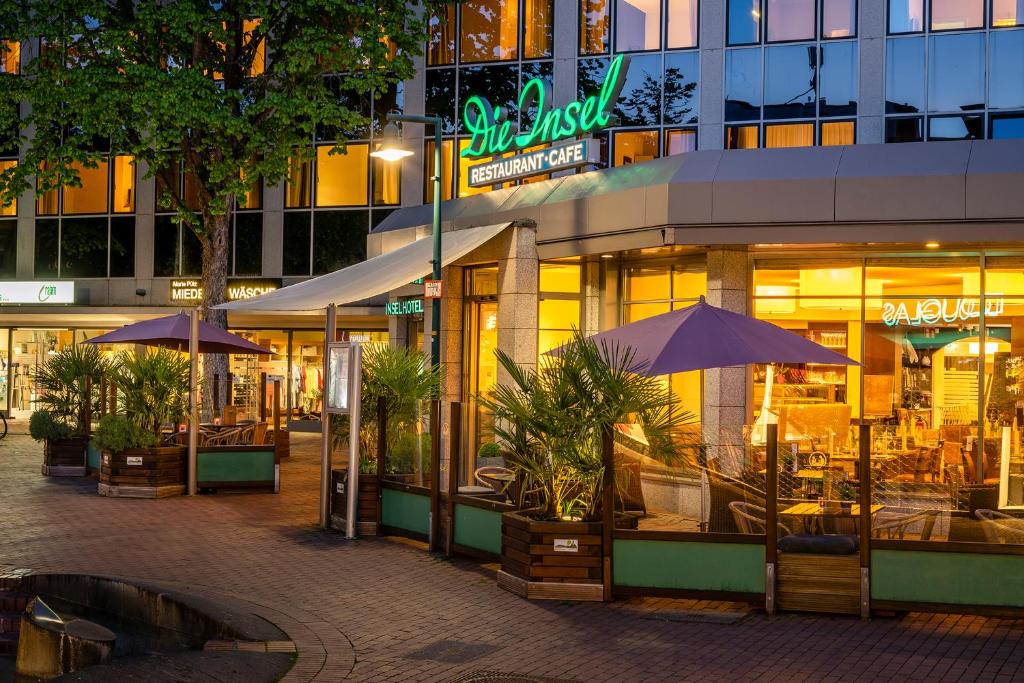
<point x="215" y="283"/>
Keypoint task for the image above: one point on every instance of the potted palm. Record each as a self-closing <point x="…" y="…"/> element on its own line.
<point x="553" y="424"/>
<point x="153" y="388"/>
<point x="68" y="384"/>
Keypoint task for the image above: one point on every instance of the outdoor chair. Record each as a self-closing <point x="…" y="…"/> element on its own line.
<point x="498" y="479"/>
<point x="628" y="486"/>
<point x="232" y="437"/>
<point x="895" y="528"/>
<point x="1000" y="527"/>
<point x="750" y="519"/>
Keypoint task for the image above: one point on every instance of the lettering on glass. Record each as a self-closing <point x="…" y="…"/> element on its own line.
<point x="925" y="312"/>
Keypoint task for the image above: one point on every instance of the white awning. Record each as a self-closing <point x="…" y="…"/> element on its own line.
<point x="374" y="276"/>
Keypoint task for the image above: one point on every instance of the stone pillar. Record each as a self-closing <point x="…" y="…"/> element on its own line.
<point x="451" y="354"/>
<point x="871" y="43"/>
<point x="591" y="297"/>
<point x="726" y="390"/>
<point x="712" y="75"/>
<point x="517" y="297"/>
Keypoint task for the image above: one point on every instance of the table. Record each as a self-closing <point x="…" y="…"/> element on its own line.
<point x="812" y="515"/>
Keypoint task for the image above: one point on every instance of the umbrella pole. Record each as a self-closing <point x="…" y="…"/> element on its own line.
<point x="325" y="423"/>
<point x="193" y="389"/>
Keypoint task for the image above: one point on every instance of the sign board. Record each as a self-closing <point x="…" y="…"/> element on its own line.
<point x="567" y="545"/>
<point x="37" y="292"/>
<point x="560" y="158"/>
<point x="432" y="289"/>
<point x="133" y="459"/>
<point x="338" y="359"/>
<point x="403" y="307"/>
<point x="926" y="312"/>
<point x="191" y="290"/>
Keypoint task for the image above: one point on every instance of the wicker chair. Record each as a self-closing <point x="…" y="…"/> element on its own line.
<point x="1000" y="527"/>
<point x="750" y="519"/>
<point x="896" y="527"/>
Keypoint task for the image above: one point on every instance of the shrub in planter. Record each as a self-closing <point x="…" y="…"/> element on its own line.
<point x="116" y="433"/>
<point x="42" y="425"/>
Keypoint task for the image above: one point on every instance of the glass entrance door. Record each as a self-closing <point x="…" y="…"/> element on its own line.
<point x="483" y="371"/>
<point x="30" y="349"/>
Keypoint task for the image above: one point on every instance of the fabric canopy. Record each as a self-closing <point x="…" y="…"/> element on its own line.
<point x="371" y="277"/>
<point x="173" y="332"/>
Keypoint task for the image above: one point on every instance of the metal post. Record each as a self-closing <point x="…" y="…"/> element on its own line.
<point x="607" y="508"/>
<point x="193" y="422"/>
<point x="865" y="520"/>
<point x="216" y="395"/>
<point x="435" y="304"/>
<point x="87" y="417"/>
<point x="979" y="443"/>
<point x="771" y="528"/>
<point x="355" y="386"/>
<point x="277" y="410"/>
<point x="435" y="474"/>
<point x="325" y="425"/>
<point x="454" y="455"/>
<point x="382" y="454"/>
<point x="262" y="403"/>
<point x="103" y="396"/>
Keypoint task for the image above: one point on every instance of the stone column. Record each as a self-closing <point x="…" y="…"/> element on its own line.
<point x="591" y="297"/>
<point x="451" y="355"/>
<point x="517" y="297"/>
<point x="871" y="43"/>
<point x="726" y="390"/>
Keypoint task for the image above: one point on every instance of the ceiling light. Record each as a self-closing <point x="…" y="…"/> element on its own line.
<point x="931" y="245"/>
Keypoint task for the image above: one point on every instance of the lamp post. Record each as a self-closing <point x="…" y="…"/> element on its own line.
<point x="390" y="149"/>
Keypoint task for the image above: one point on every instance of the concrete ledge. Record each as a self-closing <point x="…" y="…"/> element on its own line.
<point x="63" y="471"/>
<point x="139" y="491"/>
<point x="537" y="590"/>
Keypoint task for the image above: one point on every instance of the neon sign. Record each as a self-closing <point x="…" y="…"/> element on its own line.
<point x="492" y="132"/>
<point x="934" y="311"/>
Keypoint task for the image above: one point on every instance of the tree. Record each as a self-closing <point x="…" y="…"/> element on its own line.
<point x="221" y="93"/>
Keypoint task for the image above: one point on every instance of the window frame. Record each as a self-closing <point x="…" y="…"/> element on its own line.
<point x="821" y="23"/>
<point x="766" y="17"/>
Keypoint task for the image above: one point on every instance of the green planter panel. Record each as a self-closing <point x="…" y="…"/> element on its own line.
<point x="478" y="528"/>
<point x="948" y="578"/>
<point x="230" y="466"/>
<point x="686" y="565"/>
<point x="403" y="510"/>
<point x="93" y="457"/>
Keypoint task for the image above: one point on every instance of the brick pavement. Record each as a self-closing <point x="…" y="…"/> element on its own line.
<point x="381" y="610"/>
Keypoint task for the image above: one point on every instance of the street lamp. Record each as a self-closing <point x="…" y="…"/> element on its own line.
<point x="390" y="149"/>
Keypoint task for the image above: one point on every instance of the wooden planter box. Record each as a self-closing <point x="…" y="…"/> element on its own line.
<point x="366" y="514"/>
<point x="282" y="442"/>
<point x="65" y="458"/>
<point x="546" y="560"/>
<point x="144" y="472"/>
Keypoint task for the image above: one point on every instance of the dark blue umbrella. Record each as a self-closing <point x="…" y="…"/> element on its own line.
<point x="703" y="336"/>
<point x="173" y="331"/>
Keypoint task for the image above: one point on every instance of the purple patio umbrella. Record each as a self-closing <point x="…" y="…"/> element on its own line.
<point x="173" y="331"/>
<point x="703" y="336"/>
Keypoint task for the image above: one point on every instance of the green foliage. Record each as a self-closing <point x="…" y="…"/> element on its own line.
<point x="117" y="433"/>
<point x="489" y="450"/>
<point x="44" y="426"/>
<point x="152" y="387"/>
<point x="61" y="382"/>
<point x="551" y="422"/>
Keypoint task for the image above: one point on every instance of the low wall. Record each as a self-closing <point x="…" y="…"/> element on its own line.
<point x="692" y="565"/>
<point x="478" y="528"/>
<point x="947" y="578"/>
<point x="404" y="510"/>
<point x="238" y="467"/>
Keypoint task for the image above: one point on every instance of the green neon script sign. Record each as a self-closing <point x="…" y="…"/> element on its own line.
<point x="492" y="132"/>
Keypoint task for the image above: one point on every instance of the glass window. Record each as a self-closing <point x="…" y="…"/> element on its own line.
<point x="744" y="22"/>
<point x="839" y="18"/>
<point x="741" y="137"/>
<point x="296" y="234"/>
<point x="904" y="76"/>
<point x="91" y="197"/>
<point x="248" y="241"/>
<point x="122" y="247"/>
<point x="10" y="57"/>
<point x="537" y="31"/>
<point x="743" y="84"/>
<point x="489" y="30"/>
<point x="790" y="20"/>
<point x="341" y="178"/>
<point x="165" y="247"/>
<point x="47" y="247"/>
<point x="1006" y="63"/>
<point x="12" y="208"/>
<point x="906" y="16"/>
<point x="838" y="87"/>
<point x="191" y="252"/>
<point x="447" y="154"/>
<point x="83" y="247"/>
<point x="956" y="128"/>
<point x="956" y="72"/>
<point x="1004" y="127"/>
<point x="124" y="184"/>
<point x="8" y="252"/>
<point x="838" y="133"/>
<point x="439" y="99"/>
<point x="46" y="203"/>
<point x="594" y="22"/>
<point x="1007" y="13"/>
<point x="387" y="183"/>
<point x="498" y="84"/>
<point x="639" y="103"/>
<point x="542" y="70"/>
<point x="635" y="146"/>
<point x="637" y="25"/>
<point x="789" y="81"/>
<point x="680" y="141"/>
<point x="560" y="276"/>
<point x="789" y="135"/>
<point x="299" y="185"/>
<point x="953" y="15"/>
<point x="682" y="87"/>
<point x="339" y="239"/>
<point x="904" y="130"/>
<point x="682" y="24"/>
<point x="441" y="47"/>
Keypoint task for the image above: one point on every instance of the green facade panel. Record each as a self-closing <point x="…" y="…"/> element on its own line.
<point x="403" y="510"/>
<point x="948" y="578"/>
<point x="478" y="528"/>
<point x="93" y="456"/>
<point x="736" y="567"/>
<point x="229" y="466"/>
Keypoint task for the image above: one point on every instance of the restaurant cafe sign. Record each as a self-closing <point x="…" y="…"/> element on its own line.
<point x="191" y="290"/>
<point x="493" y="134"/>
<point x="926" y="312"/>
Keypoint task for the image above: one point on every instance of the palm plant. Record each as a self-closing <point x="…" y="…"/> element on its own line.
<point x="153" y="387"/>
<point x="553" y="421"/>
<point x="68" y="384"/>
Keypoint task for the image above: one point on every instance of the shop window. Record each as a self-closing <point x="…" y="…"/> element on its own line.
<point x="839" y="19"/>
<point x="682" y="87"/>
<point x="439" y="99"/>
<point x="47" y="248"/>
<point x="682" y="30"/>
<point x="744" y="22"/>
<point x="680" y="141"/>
<point x="634" y="147"/>
<point x="123" y="185"/>
<point x="296" y="234"/>
<point x="743" y="84"/>
<point x="447" y="154"/>
<point x="906" y="16"/>
<point x="247" y="242"/>
<point x="83" y="247"/>
<point x="1004" y="127"/>
<point x="12" y="208"/>
<point x="339" y="239"/>
<point x="299" y="185"/>
<point x="8" y="248"/>
<point x="637" y="25"/>
<point x="789" y="81"/>
<point x="387" y="183"/>
<point x="556" y="318"/>
<point x="489" y="30"/>
<point x="956" y="128"/>
<point x="594" y="23"/>
<point x="537" y="28"/>
<point x="91" y="197"/>
<point x="1007" y="13"/>
<point x="1006" y="57"/>
<point x="122" y="247"/>
<point x="341" y="178"/>
<point x="838" y="133"/>
<point x="904" y="76"/>
<point x="561" y="277"/>
<point x="956" y="15"/>
<point x="956" y="72"/>
<point x="10" y="57"/>
<point x="441" y="46"/>
<point x="838" y="87"/>
<point x="790" y="20"/>
<point x="789" y="135"/>
<point x="741" y="137"/>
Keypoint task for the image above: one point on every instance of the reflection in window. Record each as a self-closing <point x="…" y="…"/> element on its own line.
<point x="789" y="81"/>
<point x="10" y="57"/>
<point x="83" y="247"/>
<point x="838" y="87"/>
<point x="951" y="15"/>
<point x="635" y="146"/>
<point x="498" y="84"/>
<point x="956" y="127"/>
<point x="299" y="185"/>
<point x="341" y="178"/>
<point x="838" y="133"/>
<point x="789" y="135"/>
<point x="489" y="30"/>
<point x="339" y="239"/>
<point x="904" y="130"/>
<point x="387" y="181"/>
<point x="637" y="25"/>
<point x="904" y="76"/>
<point x="47" y="247"/>
<point x="12" y="208"/>
<point x="122" y="247"/>
<point x="296" y="251"/>
<point x="742" y="84"/>
<point x="680" y="141"/>
<point x="165" y="247"/>
<point x="790" y="20"/>
<point x="682" y="87"/>
<point x="682" y="24"/>
<point x="441" y="48"/>
<point x="1005" y="127"/>
<point x="1006" y="59"/>
<point x="541" y="70"/>
<point x="1007" y="13"/>
<point x="247" y="242"/>
<point x="744" y="22"/>
<point x="537" y="31"/>
<point x="839" y="18"/>
<point x="91" y="197"/>
<point x="956" y="72"/>
<point x="447" y="154"/>
<point x="439" y="99"/>
<point x="594" y="22"/>
<point x="741" y="137"/>
<point x="639" y="103"/>
<point x="906" y="16"/>
<point x="8" y="248"/>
